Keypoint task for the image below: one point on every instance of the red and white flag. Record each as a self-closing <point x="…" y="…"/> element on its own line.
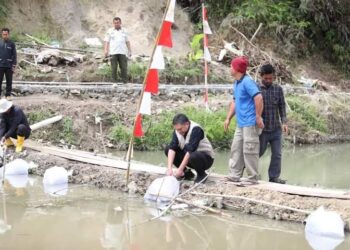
<point x="138" y="132"/>
<point x="152" y="81"/>
<point x="158" y="59"/>
<point x="165" y="37"/>
<point x="171" y="12"/>
<point x="145" y="107"/>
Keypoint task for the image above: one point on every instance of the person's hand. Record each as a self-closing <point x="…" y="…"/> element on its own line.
<point x="169" y="172"/>
<point x="226" y="124"/>
<point x="260" y="122"/>
<point x="285" y="128"/>
<point x="179" y="173"/>
<point x="106" y="54"/>
<point x="2" y="140"/>
<point x="129" y="54"/>
<point x="13" y="68"/>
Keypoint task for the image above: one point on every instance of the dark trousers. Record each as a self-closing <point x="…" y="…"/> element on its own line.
<point x="198" y="161"/>
<point x="122" y="61"/>
<point x="7" y="72"/>
<point x="22" y="130"/>
<point x="273" y="138"/>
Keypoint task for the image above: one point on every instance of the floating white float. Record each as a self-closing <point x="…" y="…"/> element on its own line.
<point x="16" y="167"/>
<point x="55" y="176"/>
<point x="324" y="230"/>
<point x="163" y="189"/>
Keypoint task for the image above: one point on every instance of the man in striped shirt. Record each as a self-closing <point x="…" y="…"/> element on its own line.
<point x="275" y="121"/>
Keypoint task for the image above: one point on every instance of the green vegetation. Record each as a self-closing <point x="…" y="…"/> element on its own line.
<point x="67" y="133"/>
<point x="40" y="115"/>
<point x="3" y="11"/>
<point x="137" y="71"/>
<point x="307" y="114"/>
<point x="181" y="70"/>
<point x="158" y="131"/>
<point x="300" y="27"/>
<point x="197" y="48"/>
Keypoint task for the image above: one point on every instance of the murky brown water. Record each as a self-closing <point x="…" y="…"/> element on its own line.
<point x="321" y="165"/>
<point x="88" y="218"/>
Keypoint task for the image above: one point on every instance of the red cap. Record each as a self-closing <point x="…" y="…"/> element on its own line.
<point x="240" y="64"/>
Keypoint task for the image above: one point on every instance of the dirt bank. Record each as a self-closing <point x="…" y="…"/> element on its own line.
<point x="104" y="177"/>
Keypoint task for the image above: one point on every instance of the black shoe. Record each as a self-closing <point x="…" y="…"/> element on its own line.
<point x="189" y="175"/>
<point x="278" y="180"/>
<point x="202" y="178"/>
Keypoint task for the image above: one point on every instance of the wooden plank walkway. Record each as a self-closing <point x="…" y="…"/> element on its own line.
<point x="115" y="162"/>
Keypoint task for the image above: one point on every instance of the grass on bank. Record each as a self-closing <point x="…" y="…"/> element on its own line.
<point x="158" y="130"/>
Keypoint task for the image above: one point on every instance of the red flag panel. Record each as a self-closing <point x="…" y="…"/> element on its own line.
<point x="165" y="37"/>
<point x="152" y="81"/>
<point x="138" y="132"/>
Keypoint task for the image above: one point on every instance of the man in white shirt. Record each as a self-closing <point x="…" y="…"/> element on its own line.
<point x="117" y="46"/>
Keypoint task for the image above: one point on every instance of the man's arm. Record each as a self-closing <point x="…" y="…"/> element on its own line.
<point x="282" y="111"/>
<point x="106" y="49"/>
<point x="230" y="113"/>
<point x="259" y="107"/>
<point x="14" y="57"/>
<point x="129" y="48"/>
<point x="174" y="144"/>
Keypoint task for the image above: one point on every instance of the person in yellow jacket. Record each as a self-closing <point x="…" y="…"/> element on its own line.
<point x="13" y="124"/>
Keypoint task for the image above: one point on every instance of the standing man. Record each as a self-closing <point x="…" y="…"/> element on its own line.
<point x="117" y="46"/>
<point x="247" y="104"/>
<point x="189" y="147"/>
<point x="8" y="60"/>
<point x="275" y="120"/>
<point x="13" y="124"/>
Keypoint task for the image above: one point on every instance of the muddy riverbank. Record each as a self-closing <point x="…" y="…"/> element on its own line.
<point x="104" y="177"/>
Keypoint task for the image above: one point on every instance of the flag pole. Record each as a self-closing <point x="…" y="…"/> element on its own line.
<point x="132" y="139"/>
<point x="205" y="44"/>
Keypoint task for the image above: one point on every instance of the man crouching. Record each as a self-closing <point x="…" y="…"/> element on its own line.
<point x="13" y="124"/>
<point x="190" y="148"/>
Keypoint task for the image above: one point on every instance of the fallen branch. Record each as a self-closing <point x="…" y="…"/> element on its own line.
<point x="256" y="32"/>
<point x="254" y="200"/>
<point x="206" y="208"/>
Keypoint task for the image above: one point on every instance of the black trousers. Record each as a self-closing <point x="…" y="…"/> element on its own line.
<point x="199" y="161"/>
<point x="7" y="72"/>
<point x="22" y="130"/>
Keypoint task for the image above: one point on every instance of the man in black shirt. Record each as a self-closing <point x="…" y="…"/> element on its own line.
<point x="275" y="120"/>
<point x="13" y="124"/>
<point x="189" y="147"/>
<point x="8" y="60"/>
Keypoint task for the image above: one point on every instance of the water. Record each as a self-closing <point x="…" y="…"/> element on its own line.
<point x="89" y="218"/>
<point x="321" y="165"/>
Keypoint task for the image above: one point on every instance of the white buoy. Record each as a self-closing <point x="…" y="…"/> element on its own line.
<point x="55" y="176"/>
<point x="16" y="167"/>
<point x="163" y="189"/>
<point x="324" y="229"/>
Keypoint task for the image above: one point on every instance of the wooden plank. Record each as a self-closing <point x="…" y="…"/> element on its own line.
<point x="90" y="158"/>
<point x="295" y="190"/>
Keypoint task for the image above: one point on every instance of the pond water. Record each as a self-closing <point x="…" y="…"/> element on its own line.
<point x="88" y="218"/>
<point x="320" y="165"/>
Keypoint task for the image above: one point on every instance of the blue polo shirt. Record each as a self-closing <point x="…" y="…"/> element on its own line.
<point x="244" y="92"/>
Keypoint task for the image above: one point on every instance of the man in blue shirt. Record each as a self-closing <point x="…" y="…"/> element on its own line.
<point x="247" y="105"/>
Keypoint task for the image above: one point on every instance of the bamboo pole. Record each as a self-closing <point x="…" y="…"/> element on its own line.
<point x="131" y="143"/>
<point x="205" y="43"/>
